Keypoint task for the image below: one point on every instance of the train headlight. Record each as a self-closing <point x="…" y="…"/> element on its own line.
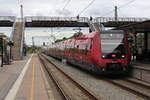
<point x="103" y="69"/>
<point x="103" y="56"/>
<point x="123" y="56"/>
<point x="124" y="69"/>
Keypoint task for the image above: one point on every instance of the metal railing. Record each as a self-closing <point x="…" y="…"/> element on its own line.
<point x="123" y="19"/>
<point x="11" y="18"/>
<point x="46" y="18"/>
<point x="20" y="20"/>
<point x="80" y="19"/>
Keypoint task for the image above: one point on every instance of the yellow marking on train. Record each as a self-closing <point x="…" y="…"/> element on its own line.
<point x="32" y="88"/>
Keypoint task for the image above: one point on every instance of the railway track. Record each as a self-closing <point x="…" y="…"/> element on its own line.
<point x="69" y="88"/>
<point x="132" y="86"/>
<point x="141" y="71"/>
<point x="137" y="88"/>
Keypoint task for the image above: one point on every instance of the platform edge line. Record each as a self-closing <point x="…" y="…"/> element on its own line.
<point x="13" y="91"/>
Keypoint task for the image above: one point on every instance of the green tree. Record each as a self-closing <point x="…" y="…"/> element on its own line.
<point x="73" y="36"/>
<point x="77" y="34"/>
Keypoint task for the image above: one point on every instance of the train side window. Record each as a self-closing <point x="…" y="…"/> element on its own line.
<point x="70" y="50"/>
<point x="74" y="50"/>
<point x="77" y="48"/>
<point x="86" y="51"/>
<point x="83" y="51"/>
<point x="91" y="44"/>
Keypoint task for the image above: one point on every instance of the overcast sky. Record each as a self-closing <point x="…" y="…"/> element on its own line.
<point x="138" y="8"/>
<point x="129" y="8"/>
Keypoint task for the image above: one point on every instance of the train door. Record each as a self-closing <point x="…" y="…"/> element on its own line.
<point x="76" y="50"/>
<point x="83" y="52"/>
<point x="88" y="48"/>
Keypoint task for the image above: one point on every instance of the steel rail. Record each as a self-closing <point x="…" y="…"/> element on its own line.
<point x="138" y="83"/>
<point x="115" y="83"/>
<point x="53" y="79"/>
<point x="139" y="94"/>
<point x="81" y="87"/>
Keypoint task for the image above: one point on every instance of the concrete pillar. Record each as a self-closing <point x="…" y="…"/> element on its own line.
<point x="135" y="46"/>
<point x="146" y="41"/>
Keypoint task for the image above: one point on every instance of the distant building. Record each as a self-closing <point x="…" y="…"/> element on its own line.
<point x="1" y="33"/>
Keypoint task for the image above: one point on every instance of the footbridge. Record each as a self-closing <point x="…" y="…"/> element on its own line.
<point x="7" y="21"/>
<point x="17" y="35"/>
<point x="47" y="21"/>
<point x="120" y="21"/>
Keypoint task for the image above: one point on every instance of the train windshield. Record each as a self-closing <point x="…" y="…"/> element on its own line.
<point x="112" y="43"/>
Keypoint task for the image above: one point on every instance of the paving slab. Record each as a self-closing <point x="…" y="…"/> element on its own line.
<point x="34" y="85"/>
<point x="9" y="74"/>
<point x="141" y="71"/>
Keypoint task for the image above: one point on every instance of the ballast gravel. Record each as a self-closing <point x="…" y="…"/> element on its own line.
<point x="103" y="89"/>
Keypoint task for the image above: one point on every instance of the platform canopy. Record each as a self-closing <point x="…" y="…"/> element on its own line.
<point x="140" y="27"/>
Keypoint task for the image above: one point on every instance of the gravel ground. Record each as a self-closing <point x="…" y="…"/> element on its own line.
<point x="100" y="87"/>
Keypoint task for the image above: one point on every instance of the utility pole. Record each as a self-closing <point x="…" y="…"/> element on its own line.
<point x="32" y="44"/>
<point x="116" y="13"/>
<point x="21" y="11"/>
<point x="1" y="46"/>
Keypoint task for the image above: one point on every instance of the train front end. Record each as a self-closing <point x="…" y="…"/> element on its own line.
<point x="115" y="54"/>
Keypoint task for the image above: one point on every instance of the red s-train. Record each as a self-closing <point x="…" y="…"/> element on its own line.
<point x="102" y="52"/>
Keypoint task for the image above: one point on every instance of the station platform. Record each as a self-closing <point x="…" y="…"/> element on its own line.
<point x="24" y="80"/>
<point x="141" y="65"/>
<point x="141" y="71"/>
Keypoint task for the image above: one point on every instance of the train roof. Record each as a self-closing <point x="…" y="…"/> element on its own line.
<point x="111" y="31"/>
<point x="86" y="36"/>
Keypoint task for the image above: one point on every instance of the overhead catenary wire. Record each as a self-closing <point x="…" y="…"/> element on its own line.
<point x="66" y="4"/>
<point x="86" y="7"/>
<point x="63" y="8"/>
<point x="126" y="4"/>
<point x="122" y="6"/>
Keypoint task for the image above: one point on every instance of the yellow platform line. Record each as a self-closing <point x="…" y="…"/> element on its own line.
<point x="32" y="88"/>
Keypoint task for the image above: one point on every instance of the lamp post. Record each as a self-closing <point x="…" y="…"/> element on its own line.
<point x="1" y="46"/>
<point x="10" y="43"/>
